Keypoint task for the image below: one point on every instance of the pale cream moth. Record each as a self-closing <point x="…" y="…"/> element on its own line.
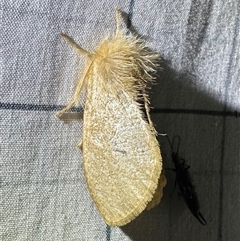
<point x="121" y="156"/>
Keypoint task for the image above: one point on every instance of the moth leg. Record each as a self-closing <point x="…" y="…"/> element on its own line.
<point x="146" y="102"/>
<point x="75" y="97"/>
<point x="80" y="145"/>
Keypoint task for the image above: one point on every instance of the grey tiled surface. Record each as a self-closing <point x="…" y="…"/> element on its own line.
<point x="43" y="192"/>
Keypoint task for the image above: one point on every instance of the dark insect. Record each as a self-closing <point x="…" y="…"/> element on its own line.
<point x="184" y="182"/>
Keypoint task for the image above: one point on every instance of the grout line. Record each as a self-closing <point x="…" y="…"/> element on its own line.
<point x="35" y="107"/>
<point x="229" y="79"/>
<point x="43" y="107"/>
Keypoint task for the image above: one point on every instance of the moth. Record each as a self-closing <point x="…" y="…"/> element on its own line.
<point x="121" y="155"/>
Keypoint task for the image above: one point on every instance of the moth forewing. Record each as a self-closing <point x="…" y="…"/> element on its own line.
<point x="121" y="156"/>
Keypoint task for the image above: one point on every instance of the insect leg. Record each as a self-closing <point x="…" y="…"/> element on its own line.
<point x="78" y="90"/>
<point x="74" y="100"/>
<point x="201" y="219"/>
<point x="147" y="110"/>
<point x="176" y="137"/>
<point x="186" y="167"/>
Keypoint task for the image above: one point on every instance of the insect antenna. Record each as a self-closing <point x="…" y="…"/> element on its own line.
<point x="75" y="46"/>
<point x="178" y="145"/>
<point x="170" y="143"/>
<point x="118" y="20"/>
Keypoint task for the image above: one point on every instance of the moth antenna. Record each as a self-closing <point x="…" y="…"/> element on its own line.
<point x="118" y="20"/>
<point x="76" y="46"/>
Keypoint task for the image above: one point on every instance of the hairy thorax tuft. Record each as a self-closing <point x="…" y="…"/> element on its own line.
<point x="124" y="60"/>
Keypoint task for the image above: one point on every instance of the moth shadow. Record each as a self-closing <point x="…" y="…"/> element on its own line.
<point x="130" y="28"/>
